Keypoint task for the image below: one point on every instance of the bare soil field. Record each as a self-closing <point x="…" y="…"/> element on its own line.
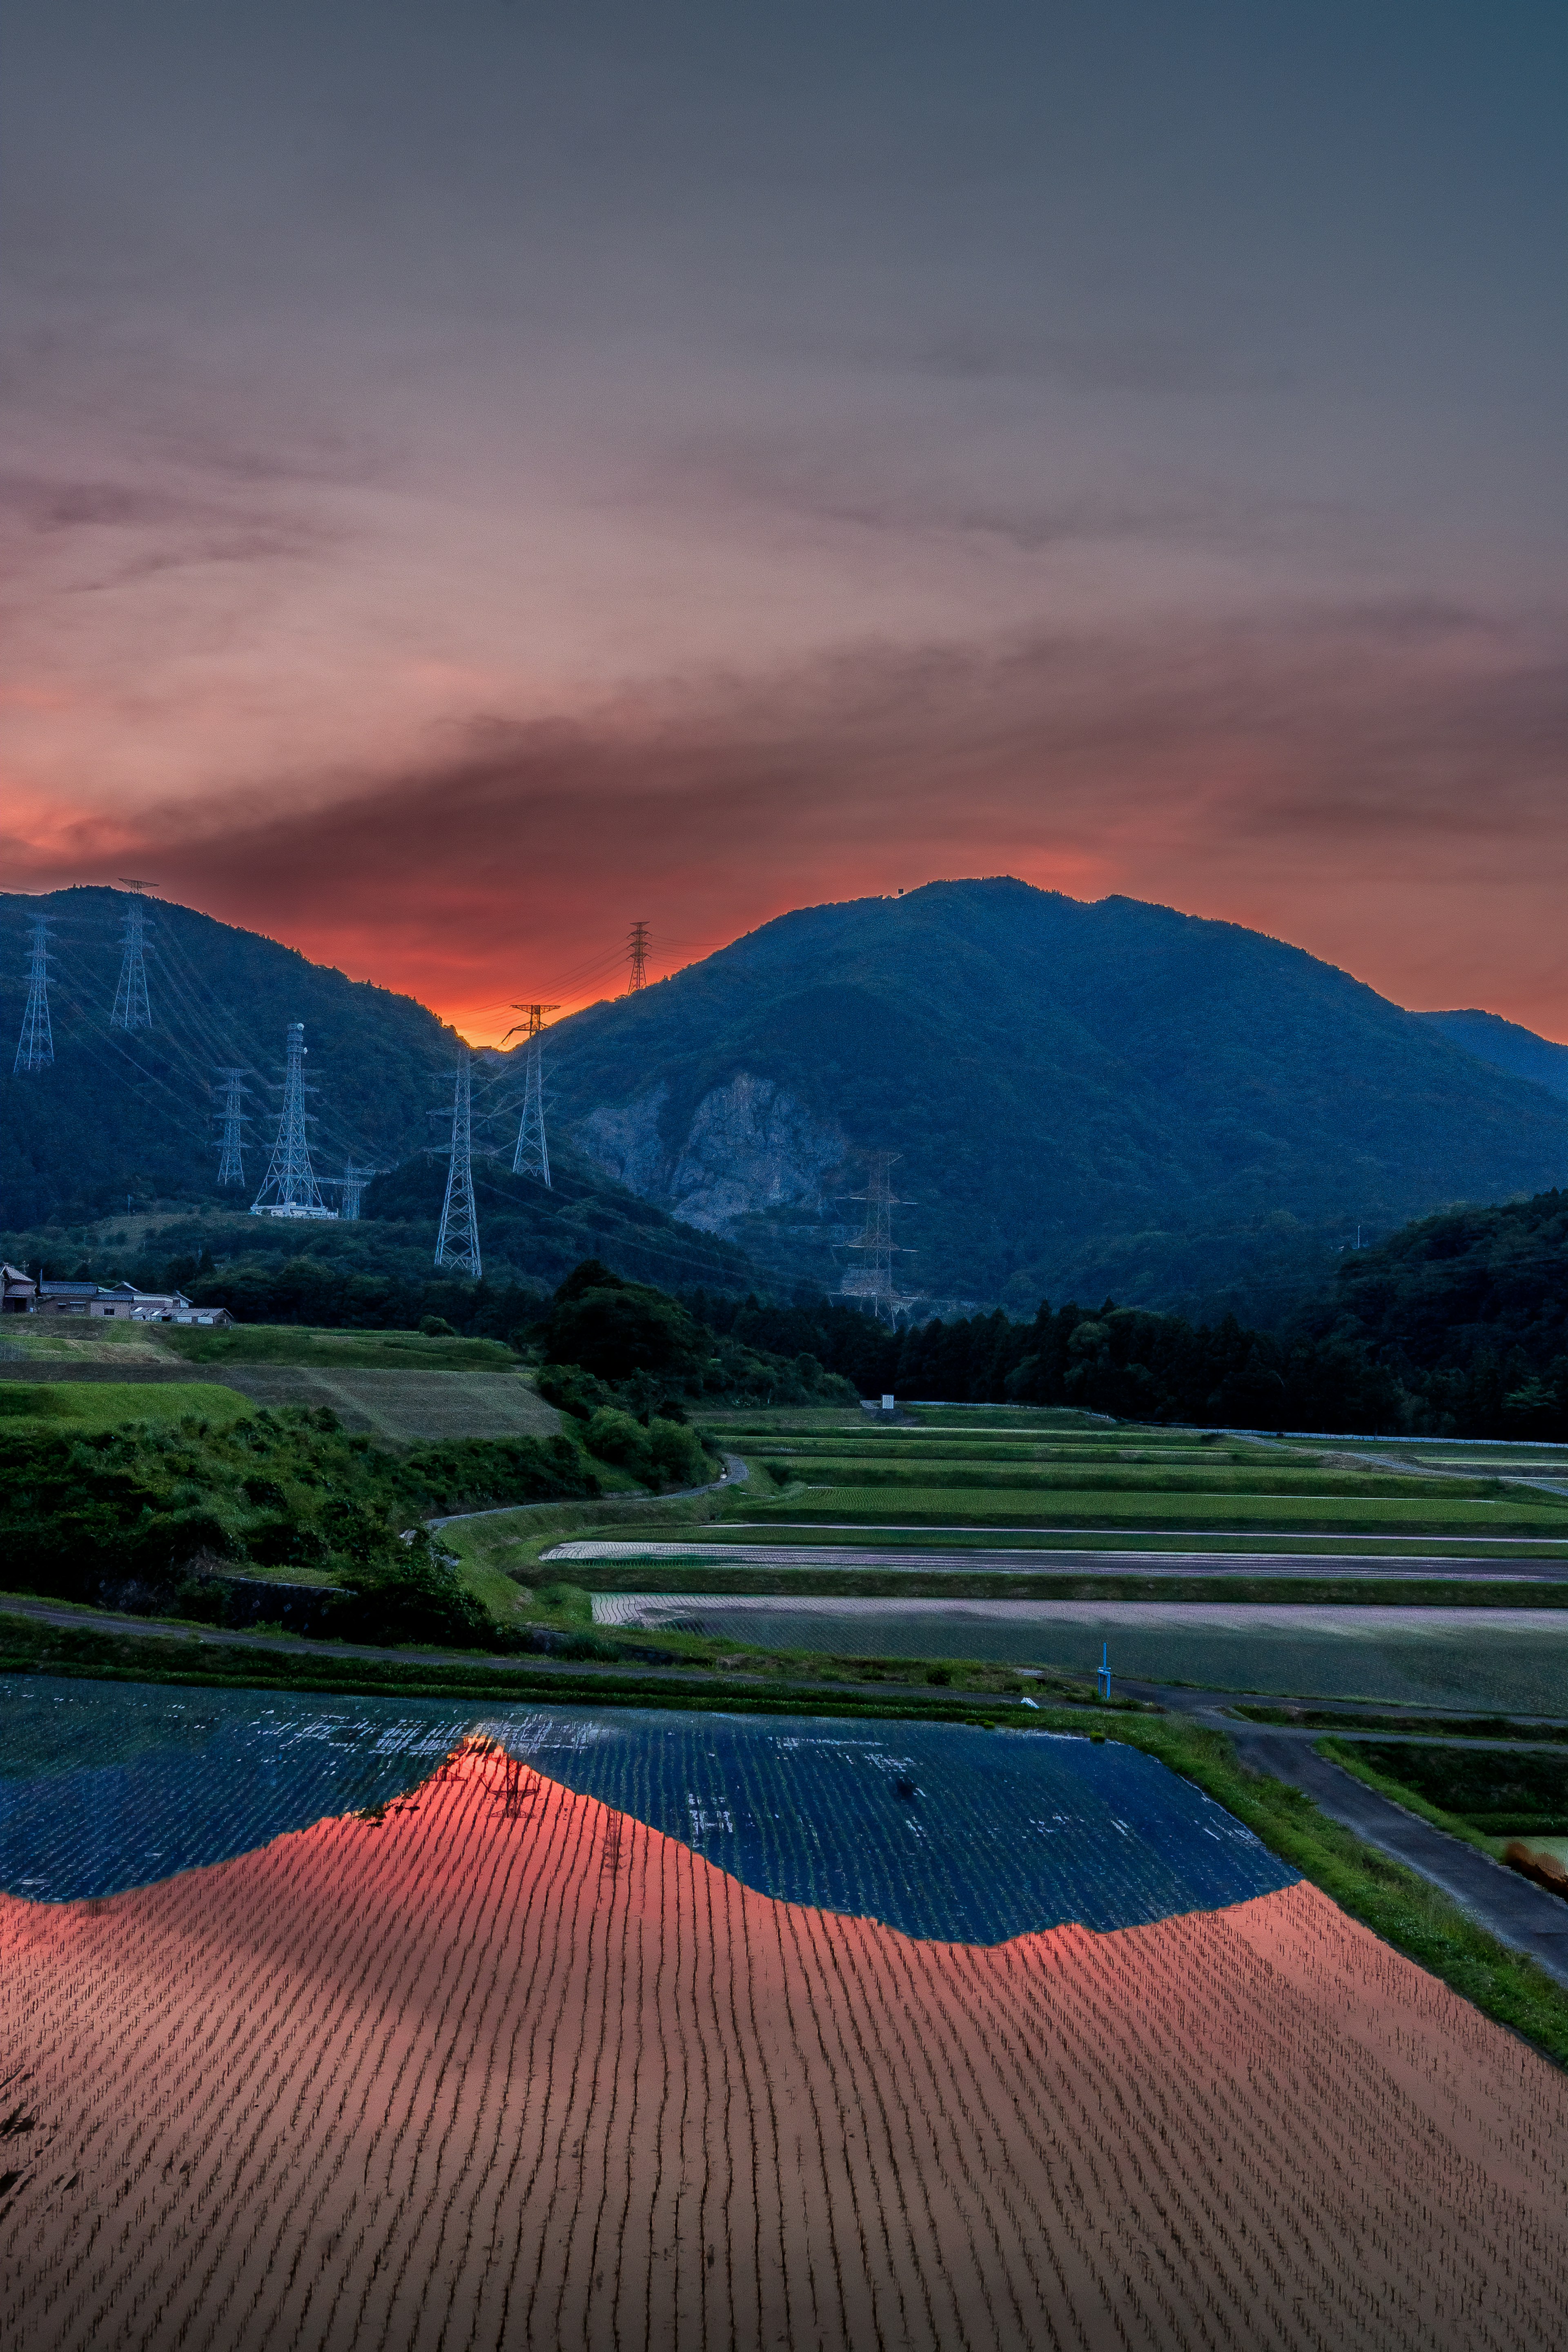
<point x="496" y="2065"/>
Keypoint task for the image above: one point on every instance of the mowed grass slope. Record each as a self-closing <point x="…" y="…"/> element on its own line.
<point x="67" y="1408"/>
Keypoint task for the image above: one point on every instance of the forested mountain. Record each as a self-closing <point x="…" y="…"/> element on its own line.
<point x="1085" y="1098"/>
<point x="127" y="1117"/>
<point x="124" y="1113"/>
<point x="1505" y="1046"/>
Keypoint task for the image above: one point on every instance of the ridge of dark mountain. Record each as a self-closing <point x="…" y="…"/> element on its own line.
<point x="133" y="1111"/>
<point x="1505" y="1046"/>
<point x="1086" y="1098"/>
<point x="131" y="1114"/>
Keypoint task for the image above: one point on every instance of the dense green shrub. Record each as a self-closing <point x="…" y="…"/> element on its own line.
<point x="283" y="1489"/>
<point x="663" y="1454"/>
<point x="574" y="1391"/>
<point x="613" y="1329"/>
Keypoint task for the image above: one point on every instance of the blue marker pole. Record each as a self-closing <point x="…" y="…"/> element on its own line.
<point x="1102" y="1679"/>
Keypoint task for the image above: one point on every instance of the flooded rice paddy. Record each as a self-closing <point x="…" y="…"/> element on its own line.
<point x="938" y="1829"/>
<point x="1463" y="1658"/>
<point x="487" y="2061"/>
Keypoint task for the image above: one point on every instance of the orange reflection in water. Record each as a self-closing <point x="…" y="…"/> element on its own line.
<point x="501" y="2066"/>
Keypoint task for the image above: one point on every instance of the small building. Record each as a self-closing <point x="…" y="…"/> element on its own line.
<point x="143" y="1304"/>
<point x="18" y="1291"/>
<point x="204" y="1319"/>
<point x="68" y="1298"/>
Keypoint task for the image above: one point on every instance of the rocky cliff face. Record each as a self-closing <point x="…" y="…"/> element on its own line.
<point x="749" y="1146"/>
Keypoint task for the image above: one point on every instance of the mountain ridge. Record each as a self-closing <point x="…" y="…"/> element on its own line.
<point x="1088" y="1099"/>
<point x="1086" y="1096"/>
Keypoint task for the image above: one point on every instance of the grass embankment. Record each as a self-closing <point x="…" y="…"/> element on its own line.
<point x="932" y="1507"/>
<point x="1477" y="1794"/>
<point x="1405" y="1720"/>
<point x="88" y="1409"/>
<point x="964" y="1692"/>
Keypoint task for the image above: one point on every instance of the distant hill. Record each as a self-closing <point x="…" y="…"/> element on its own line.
<point x="129" y="1115"/>
<point x="132" y="1112"/>
<point x="1505" y="1046"/>
<point x="1086" y="1100"/>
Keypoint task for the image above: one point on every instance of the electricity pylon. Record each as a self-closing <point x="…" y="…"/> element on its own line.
<point x="872" y="1280"/>
<point x="36" y="1045"/>
<point x="290" y="1178"/>
<point x="636" y="953"/>
<point x="532" y="1157"/>
<point x="458" y="1243"/>
<point x="352" y="1183"/>
<point x="132" y="1010"/>
<point x="231" y="1145"/>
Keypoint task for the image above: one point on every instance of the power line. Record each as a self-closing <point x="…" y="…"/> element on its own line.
<point x="290" y="1178"/>
<point x="132" y="1010"/>
<point x="532" y="1157"/>
<point x="458" y="1243"/>
<point x="36" y="1045"/>
<point x="637" y="952"/>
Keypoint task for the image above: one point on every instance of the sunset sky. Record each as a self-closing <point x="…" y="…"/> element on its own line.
<point x="477" y="474"/>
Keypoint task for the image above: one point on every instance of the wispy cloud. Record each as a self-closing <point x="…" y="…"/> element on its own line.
<point x="1302" y="775"/>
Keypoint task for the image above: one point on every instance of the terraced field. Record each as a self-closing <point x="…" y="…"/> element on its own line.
<point x="1028" y="1490"/>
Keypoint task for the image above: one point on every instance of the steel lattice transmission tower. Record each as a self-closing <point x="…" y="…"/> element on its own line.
<point x="871" y="1279"/>
<point x="36" y="1045"/>
<point x="532" y="1157"/>
<point x="458" y="1243"/>
<point x="290" y="1180"/>
<point x="231" y="1144"/>
<point x="352" y="1183"/>
<point x="132" y="1010"/>
<point x="636" y="954"/>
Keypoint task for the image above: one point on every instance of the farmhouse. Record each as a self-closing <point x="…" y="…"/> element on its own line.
<point x="71" y="1298"/>
<point x="17" y="1290"/>
<point x="114" y="1301"/>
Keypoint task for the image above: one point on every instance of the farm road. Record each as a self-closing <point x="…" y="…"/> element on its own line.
<point x="1521" y="1915"/>
<point x="1018" y="1562"/>
<point x="734" y="1475"/>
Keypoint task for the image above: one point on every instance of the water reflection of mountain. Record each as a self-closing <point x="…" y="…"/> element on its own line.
<point x="113" y="1785"/>
<point x="939" y="1830"/>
